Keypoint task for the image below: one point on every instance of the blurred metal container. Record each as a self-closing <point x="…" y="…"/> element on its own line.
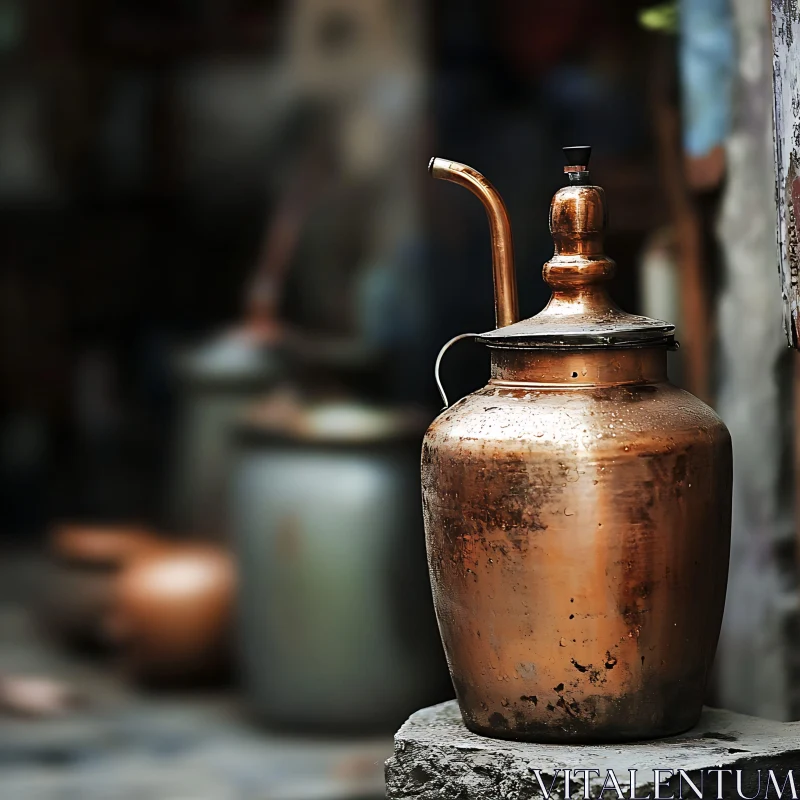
<point x="335" y="615"/>
<point x="217" y="382"/>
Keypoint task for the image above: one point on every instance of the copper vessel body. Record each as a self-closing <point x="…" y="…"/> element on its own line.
<point x="577" y="514"/>
<point x="577" y="537"/>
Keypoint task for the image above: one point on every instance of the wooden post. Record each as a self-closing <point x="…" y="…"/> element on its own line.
<point x="696" y="328"/>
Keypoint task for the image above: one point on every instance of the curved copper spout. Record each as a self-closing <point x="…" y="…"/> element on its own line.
<point x="506" y="304"/>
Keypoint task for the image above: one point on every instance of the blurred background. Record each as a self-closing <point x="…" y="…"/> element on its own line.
<point x="225" y="277"/>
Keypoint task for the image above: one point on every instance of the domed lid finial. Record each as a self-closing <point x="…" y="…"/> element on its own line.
<point x="580" y="312"/>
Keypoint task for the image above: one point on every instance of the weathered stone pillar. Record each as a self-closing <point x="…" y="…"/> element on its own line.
<point x="752" y="659"/>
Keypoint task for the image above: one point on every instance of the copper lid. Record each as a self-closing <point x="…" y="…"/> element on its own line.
<point x="580" y="312"/>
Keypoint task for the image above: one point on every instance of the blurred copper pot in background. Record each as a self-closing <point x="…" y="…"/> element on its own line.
<point x="171" y="614"/>
<point x="85" y="562"/>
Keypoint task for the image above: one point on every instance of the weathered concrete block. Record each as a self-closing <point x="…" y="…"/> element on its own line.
<point x="725" y="756"/>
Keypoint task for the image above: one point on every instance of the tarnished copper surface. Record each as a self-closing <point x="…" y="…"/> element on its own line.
<point x="577" y="514"/>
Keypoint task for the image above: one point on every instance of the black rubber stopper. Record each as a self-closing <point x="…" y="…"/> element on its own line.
<point x="577" y="156"/>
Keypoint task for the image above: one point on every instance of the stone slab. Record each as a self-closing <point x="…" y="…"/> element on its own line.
<point x="437" y="757"/>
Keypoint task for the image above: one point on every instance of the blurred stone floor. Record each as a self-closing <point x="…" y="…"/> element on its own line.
<point x="122" y="744"/>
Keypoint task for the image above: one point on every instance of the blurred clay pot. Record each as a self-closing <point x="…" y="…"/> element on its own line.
<point x="85" y="562"/>
<point x="171" y="615"/>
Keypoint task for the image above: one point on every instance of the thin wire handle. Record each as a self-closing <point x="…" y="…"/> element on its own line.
<point x="439" y="361"/>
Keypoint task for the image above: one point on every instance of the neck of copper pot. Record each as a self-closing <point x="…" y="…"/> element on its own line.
<point x="538" y="367"/>
<point x="578" y="274"/>
<point x="579" y="270"/>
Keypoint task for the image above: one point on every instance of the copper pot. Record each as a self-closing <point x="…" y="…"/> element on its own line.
<point x="85" y="562"/>
<point x="577" y="508"/>
<point x="171" y="614"/>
